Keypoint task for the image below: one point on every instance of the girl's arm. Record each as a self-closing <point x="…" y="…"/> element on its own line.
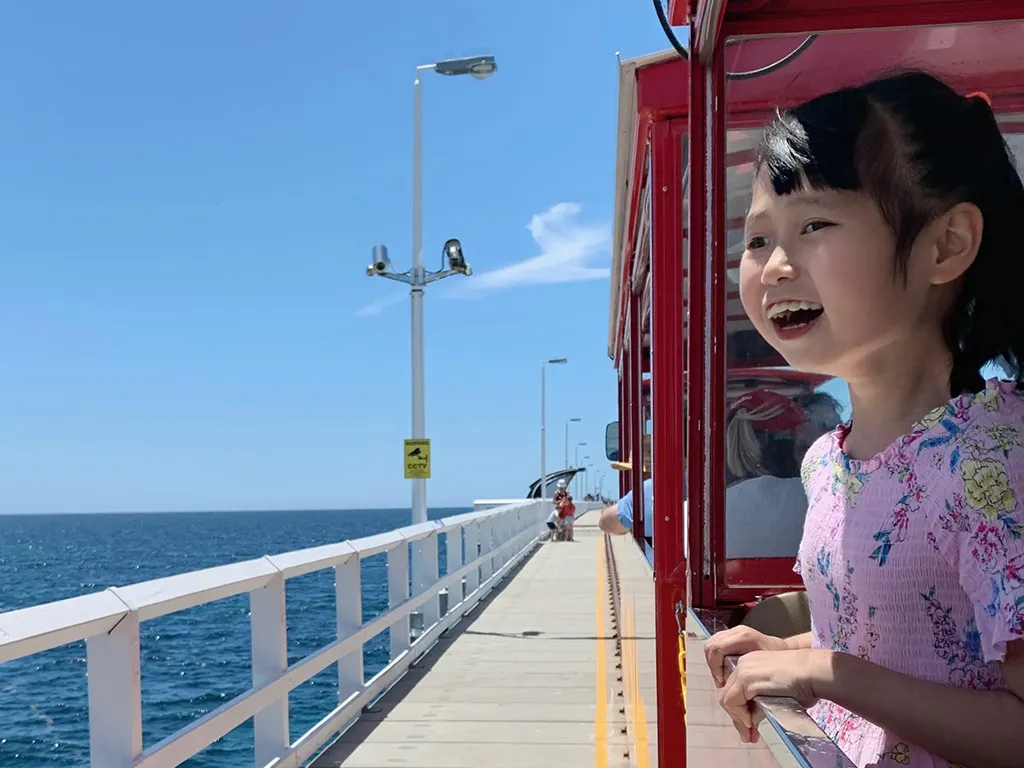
<point x="976" y="729"/>
<point x="798" y="642"/>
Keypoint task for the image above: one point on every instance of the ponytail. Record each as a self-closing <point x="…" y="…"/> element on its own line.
<point x="985" y="323"/>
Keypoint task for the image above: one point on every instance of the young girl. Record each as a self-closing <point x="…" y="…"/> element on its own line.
<point x="884" y="246"/>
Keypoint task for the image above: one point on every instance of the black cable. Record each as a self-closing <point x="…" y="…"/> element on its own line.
<point x="749" y="75"/>
<point x="680" y="49"/>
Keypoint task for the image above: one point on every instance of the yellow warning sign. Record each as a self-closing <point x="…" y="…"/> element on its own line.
<point x="417" y="459"/>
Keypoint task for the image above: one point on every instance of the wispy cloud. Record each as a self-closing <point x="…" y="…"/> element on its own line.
<point x="379" y="306"/>
<point x="567" y="248"/>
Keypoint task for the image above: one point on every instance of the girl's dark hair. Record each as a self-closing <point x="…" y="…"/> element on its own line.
<point x="918" y="148"/>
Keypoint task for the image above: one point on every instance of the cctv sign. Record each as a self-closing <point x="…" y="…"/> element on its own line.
<point x="417" y="459"/>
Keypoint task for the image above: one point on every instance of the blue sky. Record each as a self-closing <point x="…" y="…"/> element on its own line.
<point x="188" y="196"/>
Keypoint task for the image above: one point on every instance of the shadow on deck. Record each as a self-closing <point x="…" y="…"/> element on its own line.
<point x="532" y="677"/>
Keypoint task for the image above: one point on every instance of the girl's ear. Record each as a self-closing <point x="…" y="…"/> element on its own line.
<point x="957" y="237"/>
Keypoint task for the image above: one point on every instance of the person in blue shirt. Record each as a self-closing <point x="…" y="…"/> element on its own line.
<point x="618" y="518"/>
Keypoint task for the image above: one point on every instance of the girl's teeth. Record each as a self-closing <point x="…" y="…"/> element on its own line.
<point x="791" y="306"/>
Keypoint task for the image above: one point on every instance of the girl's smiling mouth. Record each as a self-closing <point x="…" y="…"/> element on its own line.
<point x="792" y="319"/>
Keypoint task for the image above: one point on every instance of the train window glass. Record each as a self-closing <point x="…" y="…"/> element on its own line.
<point x="773" y="413"/>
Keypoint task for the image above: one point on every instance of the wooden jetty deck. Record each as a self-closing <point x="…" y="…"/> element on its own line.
<point x="531" y="677"/>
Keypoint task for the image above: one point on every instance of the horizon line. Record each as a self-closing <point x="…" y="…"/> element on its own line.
<point x="230" y="511"/>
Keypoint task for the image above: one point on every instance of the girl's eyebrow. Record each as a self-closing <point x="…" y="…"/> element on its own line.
<point x="817" y="199"/>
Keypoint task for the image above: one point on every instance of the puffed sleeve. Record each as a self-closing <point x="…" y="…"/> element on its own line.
<point x="979" y="527"/>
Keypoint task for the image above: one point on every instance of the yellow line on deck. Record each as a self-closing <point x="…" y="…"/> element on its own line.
<point x="642" y="748"/>
<point x="601" y="712"/>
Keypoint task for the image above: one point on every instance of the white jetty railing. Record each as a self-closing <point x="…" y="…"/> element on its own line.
<point x="109" y="623"/>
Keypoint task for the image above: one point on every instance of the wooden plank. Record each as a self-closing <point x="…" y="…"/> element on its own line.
<point x="531" y="678"/>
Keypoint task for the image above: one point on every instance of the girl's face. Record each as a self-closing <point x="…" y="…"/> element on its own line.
<point x="817" y="279"/>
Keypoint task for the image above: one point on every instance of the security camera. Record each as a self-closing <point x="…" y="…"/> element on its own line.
<point x="456" y="261"/>
<point x="381" y="263"/>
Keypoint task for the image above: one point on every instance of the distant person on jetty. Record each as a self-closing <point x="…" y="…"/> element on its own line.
<point x="561" y="491"/>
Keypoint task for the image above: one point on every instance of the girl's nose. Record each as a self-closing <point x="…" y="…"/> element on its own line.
<point x="778" y="269"/>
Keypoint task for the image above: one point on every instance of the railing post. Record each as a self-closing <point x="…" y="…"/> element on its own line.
<point x="115" y="695"/>
<point x="473" y="577"/>
<point x="495" y="536"/>
<point x="484" y="542"/>
<point x="348" y="591"/>
<point x="269" y="627"/>
<point x="424" y="576"/>
<point x="456" y="561"/>
<point x="398" y="593"/>
<point x="507" y="521"/>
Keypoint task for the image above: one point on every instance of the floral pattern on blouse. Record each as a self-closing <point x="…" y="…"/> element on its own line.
<point x="914" y="559"/>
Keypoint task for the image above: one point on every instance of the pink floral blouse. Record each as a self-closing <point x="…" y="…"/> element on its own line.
<point x="914" y="559"/>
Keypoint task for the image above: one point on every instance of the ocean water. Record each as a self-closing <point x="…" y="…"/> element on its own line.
<point x="193" y="661"/>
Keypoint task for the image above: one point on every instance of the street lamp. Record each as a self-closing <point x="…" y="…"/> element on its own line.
<point x="576" y="463"/>
<point x="567" y="423"/>
<point x="479" y="67"/>
<point x="543" y="425"/>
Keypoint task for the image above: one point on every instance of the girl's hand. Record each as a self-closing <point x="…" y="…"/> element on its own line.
<point x="796" y="675"/>
<point x="736" y="642"/>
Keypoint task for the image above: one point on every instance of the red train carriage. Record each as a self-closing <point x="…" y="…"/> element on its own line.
<point x="688" y="122"/>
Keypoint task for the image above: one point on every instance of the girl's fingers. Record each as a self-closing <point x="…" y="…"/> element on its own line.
<point x="734" y="702"/>
<point x="714" y="660"/>
<point x="742" y="731"/>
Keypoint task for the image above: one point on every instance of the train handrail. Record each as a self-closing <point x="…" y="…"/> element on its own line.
<point x="797" y="730"/>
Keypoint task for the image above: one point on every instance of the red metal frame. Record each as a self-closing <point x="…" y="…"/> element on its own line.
<point x="623" y="433"/>
<point x="718" y="357"/>
<point x="669" y="422"/>
<point x="774" y="17"/>
<point x="636" y="412"/>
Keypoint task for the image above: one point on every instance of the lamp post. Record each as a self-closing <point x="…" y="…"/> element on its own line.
<point x="417" y="277"/>
<point x="576" y="463"/>
<point x="543" y="424"/>
<point x="567" y="423"/>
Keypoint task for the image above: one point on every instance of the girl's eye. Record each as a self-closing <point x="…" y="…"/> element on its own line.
<point x="815" y="226"/>
<point x="756" y="242"/>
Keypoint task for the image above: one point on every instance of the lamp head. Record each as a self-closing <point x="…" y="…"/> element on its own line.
<point x="380" y="263"/>
<point x="456" y="259"/>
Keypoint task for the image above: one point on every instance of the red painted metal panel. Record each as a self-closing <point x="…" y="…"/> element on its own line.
<point x="667" y="349"/>
<point x="707" y="22"/>
<point x="626" y="412"/>
<point x="622" y="431"/>
<point x="678" y="12"/>
<point x="749" y="578"/>
<point x="984" y="57"/>
<point x="636" y="417"/>
<point x="695" y="264"/>
<point x="773" y="17"/>
<point x="716" y="327"/>
<point x="796" y="16"/>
